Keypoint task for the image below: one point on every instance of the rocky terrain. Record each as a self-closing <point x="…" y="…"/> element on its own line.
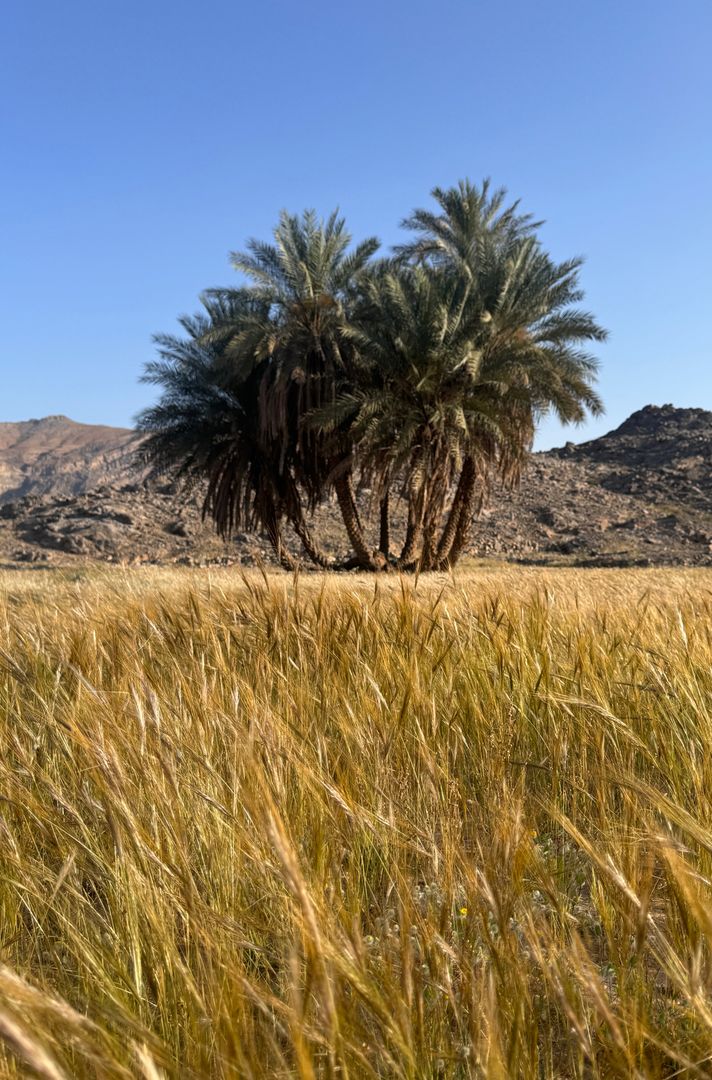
<point x="640" y="495"/>
<point x="57" y="456"/>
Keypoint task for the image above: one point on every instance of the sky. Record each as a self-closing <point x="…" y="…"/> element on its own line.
<point x="143" y="141"/>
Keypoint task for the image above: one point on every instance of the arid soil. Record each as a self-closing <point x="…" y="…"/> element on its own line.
<point x="638" y="496"/>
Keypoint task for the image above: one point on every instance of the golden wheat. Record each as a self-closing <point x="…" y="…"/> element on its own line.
<point x="282" y="827"/>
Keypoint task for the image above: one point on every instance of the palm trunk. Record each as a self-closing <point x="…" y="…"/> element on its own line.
<point x="271" y="524"/>
<point x="384" y="539"/>
<point x="312" y="549"/>
<point x="413" y="535"/>
<point x="462" y="535"/>
<point x="429" y="556"/>
<point x="464" y="523"/>
<point x="463" y="495"/>
<point x="349" y="513"/>
<point x="287" y="561"/>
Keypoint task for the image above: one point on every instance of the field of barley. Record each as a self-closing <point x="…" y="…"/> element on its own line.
<point x="271" y="826"/>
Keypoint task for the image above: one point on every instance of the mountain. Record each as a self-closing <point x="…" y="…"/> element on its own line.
<point x="55" y="455"/>
<point x="639" y="495"/>
<point x="659" y="452"/>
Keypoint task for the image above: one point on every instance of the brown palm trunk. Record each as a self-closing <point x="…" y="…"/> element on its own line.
<point x="384" y="537"/>
<point x="271" y="522"/>
<point x="312" y="549"/>
<point x="464" y="523"/>
<point x="462" y="535"/>
<point x="463" y="495"/>
<point x="349" y="513"/>
<point x="286" y="560"/>
<point x="428" y="554"/>
<point x="429" y="515"/>
<point x="413" y="536"/>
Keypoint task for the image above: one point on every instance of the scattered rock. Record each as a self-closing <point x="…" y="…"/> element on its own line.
<point x="177" y="528"/>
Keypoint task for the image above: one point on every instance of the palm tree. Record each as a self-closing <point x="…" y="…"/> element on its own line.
<point x="412" y="412"/>
<point x="308" y="278"/>
<point x="464" y="345"/>
<point x="469" y="220"/>
<point x="205" y="429"/>
<point x="422" y="376"/>
<point x="254" y="364"/>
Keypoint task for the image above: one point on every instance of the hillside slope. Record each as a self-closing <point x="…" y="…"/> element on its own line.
<point x="55" y="455"/>
<point x="639" y="495"/>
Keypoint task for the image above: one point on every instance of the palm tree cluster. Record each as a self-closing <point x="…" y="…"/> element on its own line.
<point x="418" y="378"/>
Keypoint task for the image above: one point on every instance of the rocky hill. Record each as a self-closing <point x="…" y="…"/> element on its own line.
<point x="659" y="452"/>
<point x="57" y="456"/>
<point x="640" y="495"/>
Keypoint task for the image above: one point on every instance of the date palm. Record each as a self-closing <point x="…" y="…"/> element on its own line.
<point x="258" y="360"/>
<point x="206" y="429"/>
<point x="466" y="342"/>
<point x="422" y="376"/>
<point x="461" y="234"/>
<point x="307" y="278"/>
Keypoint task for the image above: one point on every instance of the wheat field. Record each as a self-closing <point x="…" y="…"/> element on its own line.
<point x="271" y="826"/>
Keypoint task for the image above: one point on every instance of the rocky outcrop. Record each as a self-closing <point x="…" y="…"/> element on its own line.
<point x="640" y="495"/>
<point x="659" y="453"/>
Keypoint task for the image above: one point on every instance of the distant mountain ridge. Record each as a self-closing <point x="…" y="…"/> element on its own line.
<point x="639" y="495"/>
<point x="56" y="455"/>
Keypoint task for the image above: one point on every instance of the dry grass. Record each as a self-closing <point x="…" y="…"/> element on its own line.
<point x="271" y="828"/>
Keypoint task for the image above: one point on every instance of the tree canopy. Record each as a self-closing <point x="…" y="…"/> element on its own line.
<point x="419" y="377"/>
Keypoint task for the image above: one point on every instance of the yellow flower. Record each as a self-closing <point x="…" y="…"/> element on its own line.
<point x="463" y="911"/>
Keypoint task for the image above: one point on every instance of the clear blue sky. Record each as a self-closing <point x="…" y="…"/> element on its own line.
<point x="144" y="140"/>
